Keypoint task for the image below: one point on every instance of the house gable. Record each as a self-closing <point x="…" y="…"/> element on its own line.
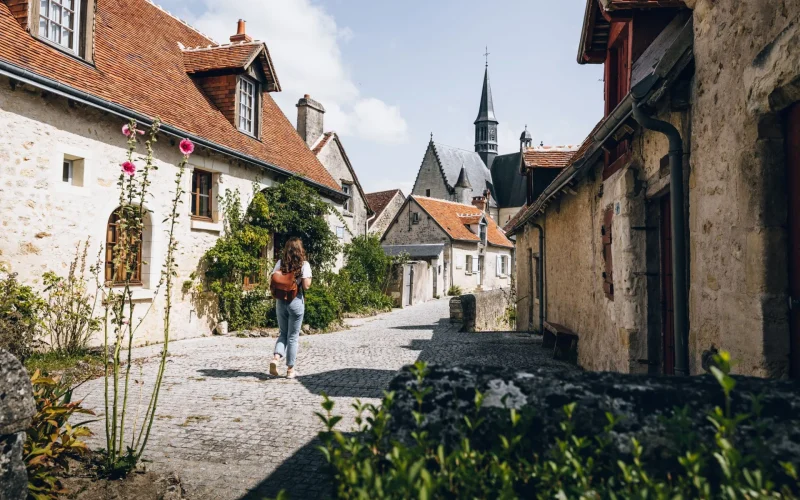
<point x="430" y="178"/>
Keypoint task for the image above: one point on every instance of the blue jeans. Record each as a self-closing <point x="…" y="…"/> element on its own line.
<point x="290" y="320"/>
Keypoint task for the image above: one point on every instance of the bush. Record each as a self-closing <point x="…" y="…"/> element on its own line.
<point x="50" y="439"/>
<point x="322" y="307"/>
<point x="455" y="291"/>
<point x="361" y="283"/>
<point x="20" y="312"/>
<point x="370" y="464"/>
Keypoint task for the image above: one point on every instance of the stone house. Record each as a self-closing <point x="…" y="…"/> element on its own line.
<point x="669" y="234"/>
<point x="384" y="205"/>
<point x="420" y="277"/>
<point x="328" y="148"/>
<point x="477" y="255"/>
<point x="69" y="84"/>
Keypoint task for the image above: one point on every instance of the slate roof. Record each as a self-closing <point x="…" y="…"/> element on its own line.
<point x="451" y="217"/>
<point x="509" y="183"/>
<point x="422" y="251"/>
<point x="548" y="156"/>
<point x="486" y="109"/>
<point x="380" y="200"/>
<point x="451" y="159"/>
<point x="139" y="65"/>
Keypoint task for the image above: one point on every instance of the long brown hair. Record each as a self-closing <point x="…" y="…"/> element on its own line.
<point x="293" y="256"/>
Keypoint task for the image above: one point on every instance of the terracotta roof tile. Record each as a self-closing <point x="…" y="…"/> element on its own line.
<point x="218" y="57"/>
<point x="138" y="64"/>
<point x="548" y="156"/>
<point x="380" y="200"/>
<point x="452" y="217"/>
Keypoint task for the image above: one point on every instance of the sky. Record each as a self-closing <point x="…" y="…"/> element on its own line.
<point x="391" y="73"/>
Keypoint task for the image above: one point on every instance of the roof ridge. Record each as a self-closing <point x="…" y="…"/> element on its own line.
<point x="443" y="201"/>
<point x="221" y="45"/>
<point x="170" y="14"/>
<point x="455" y="147"/>
<point x="384" y="191"/>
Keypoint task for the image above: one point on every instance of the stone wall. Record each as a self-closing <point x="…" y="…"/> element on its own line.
<point x="486" y="311"/>
<point x="747" y="70"/>
<point x="382" y="222"/>
<point x="16" y="411"/>
<point x="430" y="178"/>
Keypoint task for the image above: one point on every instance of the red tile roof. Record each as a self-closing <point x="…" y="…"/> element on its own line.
<point x="221" y="57"/>
<point x="139" y="64"/>
<point x="452" y="217"/>
<point x="380" y="200"/>
<point x="329" y="137"/>
<point x="548" y="156"/>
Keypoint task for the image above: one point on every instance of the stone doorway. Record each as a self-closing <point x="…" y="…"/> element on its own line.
<point x="793" y="181"/>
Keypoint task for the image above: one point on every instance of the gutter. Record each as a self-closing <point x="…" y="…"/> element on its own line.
<point x="23" y="75"/>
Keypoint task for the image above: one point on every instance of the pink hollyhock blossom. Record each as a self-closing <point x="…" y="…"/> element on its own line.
<point x="126" y="131"/>
<point x="129" y="168"/>
<point x="186" y="146"/>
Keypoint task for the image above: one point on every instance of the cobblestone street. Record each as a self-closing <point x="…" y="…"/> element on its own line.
<point x="231" y="431"/>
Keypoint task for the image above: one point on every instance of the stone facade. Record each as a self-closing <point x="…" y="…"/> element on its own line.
<point x="430" y="181"/>
<point x="45" y="218"/>
<point x="736" y="210"/>
<point x="382" y="221"/>
<point x="486" y="311"/>
<point x="454" y="272"/>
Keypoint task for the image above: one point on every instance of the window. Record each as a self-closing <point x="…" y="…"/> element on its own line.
<point x="428" y="193"/>
<point x="469" y="264"/>
<point x="129" y="266"/>
<point x="415" y="217"/>
<point x="247" y="105"/>
<point x="608" y="259"/>
<point x="340" y="232"/>
<point x="59" y="22"/>
<point x="502" y="265"/>
<point x="483" y="233"/>
<point x="67" y="172"/>
<point x="348" y="204"/>
<point x="201" y="194"/>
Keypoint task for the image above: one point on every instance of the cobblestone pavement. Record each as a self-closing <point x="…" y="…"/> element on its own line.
<point x="231" y="431"/>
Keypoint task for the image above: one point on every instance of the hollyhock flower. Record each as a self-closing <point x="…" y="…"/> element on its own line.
<point x="186" y="146"/>
<point x="129" y="168"/>
<point x="126" y="131"/>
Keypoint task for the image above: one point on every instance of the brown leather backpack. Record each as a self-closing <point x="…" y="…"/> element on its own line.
<point x="283" y="286"/>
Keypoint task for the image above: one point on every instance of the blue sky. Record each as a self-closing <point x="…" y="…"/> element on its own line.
<point x="390" y="73"/>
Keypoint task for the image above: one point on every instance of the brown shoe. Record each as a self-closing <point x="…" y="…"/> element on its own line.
<point x="291" y="373"/>
<point x="273" y="368"/>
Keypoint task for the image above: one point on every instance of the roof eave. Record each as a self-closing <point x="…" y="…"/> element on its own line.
<point x="18" y="73"/>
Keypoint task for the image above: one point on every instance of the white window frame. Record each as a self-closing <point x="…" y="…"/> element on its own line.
<point x="48" y="18"/>
<point x="347" y="189"/>
<point x="469" y="263"/>
<point x="340" y="232"/>
<point x="247" y="101"/>
<point x="68" y="171"/>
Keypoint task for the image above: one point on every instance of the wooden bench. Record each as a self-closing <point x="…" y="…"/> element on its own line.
<point x="563" y="341"/>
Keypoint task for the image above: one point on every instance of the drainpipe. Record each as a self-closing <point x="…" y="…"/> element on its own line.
<point x="678" y="234"/>
<point x="540" y="275"/>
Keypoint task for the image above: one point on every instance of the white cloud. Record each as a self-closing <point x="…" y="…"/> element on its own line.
<point x="304" y="42"/>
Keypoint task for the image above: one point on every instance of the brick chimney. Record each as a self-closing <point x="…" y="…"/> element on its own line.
<point x="241" y="33"/>
<point x="479" y="202"/>
<point x="310" y="119"/>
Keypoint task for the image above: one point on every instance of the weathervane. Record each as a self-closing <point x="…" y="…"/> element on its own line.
<point x="486" y="55"/>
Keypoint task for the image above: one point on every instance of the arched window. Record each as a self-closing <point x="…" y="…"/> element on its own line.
<point x="117" y="274"/>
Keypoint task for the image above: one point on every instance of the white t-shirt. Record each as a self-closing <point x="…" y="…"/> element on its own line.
<point x="305" y="271"/>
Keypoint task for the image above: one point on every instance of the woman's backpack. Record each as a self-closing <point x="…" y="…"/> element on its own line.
<point x="283" y="286"/>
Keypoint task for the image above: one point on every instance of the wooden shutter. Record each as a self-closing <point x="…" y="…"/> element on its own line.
<point x="498" y="265"/>
<point x="474" y="265"/>
<point x="608" y="259"/>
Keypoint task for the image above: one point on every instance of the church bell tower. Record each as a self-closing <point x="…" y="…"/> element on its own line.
<point x="486" y="123"/>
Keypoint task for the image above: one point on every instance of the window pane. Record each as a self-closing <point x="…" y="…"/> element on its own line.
<point x="43" y="8"/>
<point x="67" y="172"/>
<point x="205" y="206"/>
<point x="43" y="26"/>
<point x="55" y="13"/>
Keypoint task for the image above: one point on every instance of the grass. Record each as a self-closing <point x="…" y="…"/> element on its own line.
<point x="73" y="368"/>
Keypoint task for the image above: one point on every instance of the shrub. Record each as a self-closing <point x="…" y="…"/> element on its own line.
<point x="69" y="318"/>
<point x="322" y="307"/>
<point x="20" y="312"/>
<point x="454" y="291"/>
<point x="370" y="464"/>
<point x="361" y="283"/>
<point x="50" y="438"/>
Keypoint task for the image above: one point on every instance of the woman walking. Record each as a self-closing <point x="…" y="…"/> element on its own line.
<point x="288" y="283"/>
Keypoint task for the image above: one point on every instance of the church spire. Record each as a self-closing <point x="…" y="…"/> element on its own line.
<point x="486" y="123"/>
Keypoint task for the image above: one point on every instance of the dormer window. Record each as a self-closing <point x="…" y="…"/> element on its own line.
<point x="247" y="105"/>
<point x="58" y="22"/>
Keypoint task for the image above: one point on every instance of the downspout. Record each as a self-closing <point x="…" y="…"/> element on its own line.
<point x="540" y="275"/>
<point x="678" y="235"/>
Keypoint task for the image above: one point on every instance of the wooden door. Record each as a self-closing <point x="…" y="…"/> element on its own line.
<point x="793" y="181"/>
<point x="667" y="298"/>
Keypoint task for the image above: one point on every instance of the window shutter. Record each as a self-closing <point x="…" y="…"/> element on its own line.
<point x="608" y="259"/>
<point x="498" y="266"/>
<point x="459" y="261"/>
<point x="474" y="264"/>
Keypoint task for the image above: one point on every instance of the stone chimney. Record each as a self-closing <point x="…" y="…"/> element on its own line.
<point x="310" y="119"/>
<point x="479" y="202"/>
<point x="241" y="33"/>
